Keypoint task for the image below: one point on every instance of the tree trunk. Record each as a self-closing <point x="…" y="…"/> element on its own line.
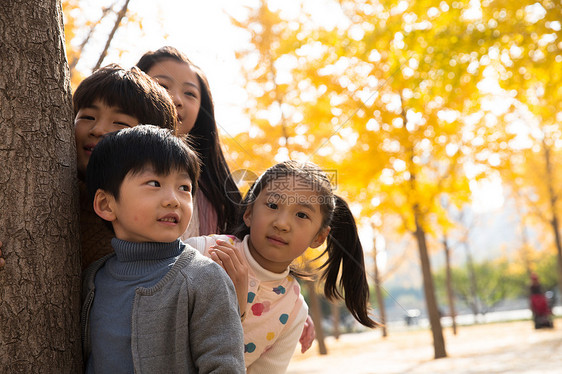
<point x="525" y="246"/>
<point x="429" y="291"/>
<point x="449" y="281"/>
<point x="557" y="242"/>
<point x="554" y="212"/>
<point x="474" y="298"/>
<point x="336" y="320"/>
<point x="316" y="314"/>
<point x="40" y="284"/>
<point x="378" y="292"/>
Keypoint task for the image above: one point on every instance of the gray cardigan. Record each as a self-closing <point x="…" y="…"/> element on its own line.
<point x="187" y="323"/>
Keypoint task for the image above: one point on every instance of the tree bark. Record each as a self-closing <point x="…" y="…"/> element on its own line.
<point x="40" y="284"/>
<point x="429" y="291"/>
<point x="449" y="281"/>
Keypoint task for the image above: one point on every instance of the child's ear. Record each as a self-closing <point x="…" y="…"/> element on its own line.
<point x="248" y="215"/>
<point x="320" y="237"/>
<point x="104" y="205"/>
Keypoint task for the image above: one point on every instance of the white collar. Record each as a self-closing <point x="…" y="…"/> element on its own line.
<point x="262" y="274"/>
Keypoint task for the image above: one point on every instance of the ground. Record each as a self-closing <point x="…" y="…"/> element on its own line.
<point x="509" y="347"/>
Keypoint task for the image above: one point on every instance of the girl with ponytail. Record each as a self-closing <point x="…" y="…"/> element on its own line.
<point x="289" y="209"/>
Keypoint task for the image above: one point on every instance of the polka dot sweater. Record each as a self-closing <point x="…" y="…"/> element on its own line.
<point x="275" y="311"/>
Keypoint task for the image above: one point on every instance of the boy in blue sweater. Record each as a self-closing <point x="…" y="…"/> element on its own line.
<point x="155" y="305"/>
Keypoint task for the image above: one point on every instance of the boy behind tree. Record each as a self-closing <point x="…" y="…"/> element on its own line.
<point x="155" y="305"/>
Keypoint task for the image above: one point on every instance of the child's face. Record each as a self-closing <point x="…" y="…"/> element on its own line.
<point x="91" y="124"/>
<point x="284" y="221"/>
<point x="183" y="86"/>
<point x="152" y="207"/>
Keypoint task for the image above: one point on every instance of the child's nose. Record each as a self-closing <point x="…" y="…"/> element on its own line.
<point x="282" y="222"/>
<point x="170" y="199"/>
<point x="176" y="98"/>
<point x="100" y="128"/>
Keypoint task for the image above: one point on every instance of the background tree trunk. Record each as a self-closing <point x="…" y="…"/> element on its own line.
<point x="316" y="314"/>
<point x="429" y="291"/>
<point x="554" y="221"/>
<point x="449" y="285"/>
<point x="474" y="300"/>
<point x="378" y="291"/>
<point x="40" y="285"/>
<point x="336" y="331"/>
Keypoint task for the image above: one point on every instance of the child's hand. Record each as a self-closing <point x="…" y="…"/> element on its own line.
<point x="308" y="335"/>
<point x="230" y="259"/>
<point x="2" y="261"/>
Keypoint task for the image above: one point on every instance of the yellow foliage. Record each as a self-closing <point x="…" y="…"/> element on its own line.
<point x="371" y="108"/>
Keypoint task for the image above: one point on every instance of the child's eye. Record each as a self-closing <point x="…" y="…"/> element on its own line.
<point x="185" y="187"/>
<point x="122" y="124"/>
<point x="302" y="215"/>
<point x="154" y="183"/>
<point x="271" y="205"/>
<point x="90" y="118"/>
<point x="189" y="93"/>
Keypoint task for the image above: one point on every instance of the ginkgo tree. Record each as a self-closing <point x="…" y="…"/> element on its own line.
<point x="388" y="96"/>
<point x="277" y="130"/>
<point x="526" y="46"/>
<point x="421" y="85"/>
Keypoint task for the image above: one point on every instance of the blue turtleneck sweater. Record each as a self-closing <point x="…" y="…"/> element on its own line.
<point x="135" y="265"/>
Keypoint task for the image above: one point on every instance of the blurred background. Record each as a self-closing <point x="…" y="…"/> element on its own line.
<point x="440" y="122"/>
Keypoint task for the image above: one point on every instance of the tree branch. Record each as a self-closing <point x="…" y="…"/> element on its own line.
<point x="120" y="17"/>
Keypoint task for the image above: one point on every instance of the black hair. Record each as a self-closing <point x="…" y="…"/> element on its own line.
<point x="133" y="149"/>
<point x="133" y="91"/>
<point x="344" y="271"/>
<point x="216" y="181"/>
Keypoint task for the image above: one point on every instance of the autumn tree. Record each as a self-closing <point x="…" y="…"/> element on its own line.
<point x="276" y="133"/>
<point x="526" y="53"/>
<point x="404" y="74"/>
<point x="410" y="102"/>
<point x="40" y="285"/>
<point x="534" y="183"/>
<point x="380" y="95"/>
